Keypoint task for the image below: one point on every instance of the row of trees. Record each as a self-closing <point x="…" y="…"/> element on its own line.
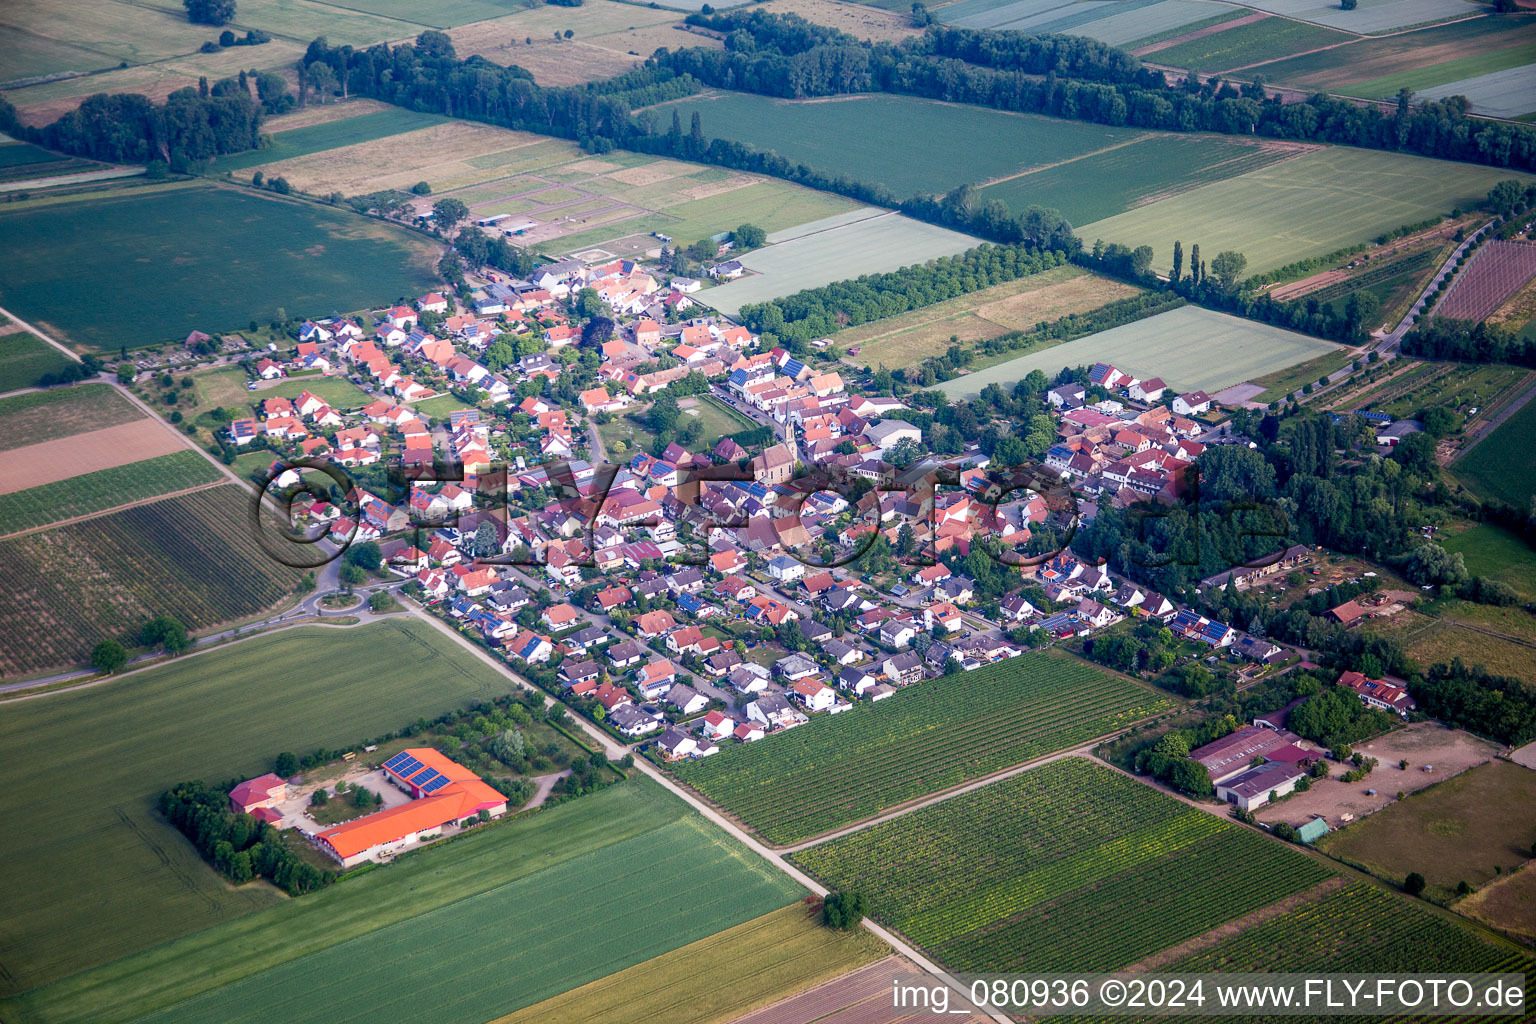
<point x="238" y="846"/>
<point x="784" y="55"/>
<point x="815" y="312"/>
<point x="186" y="131"/>
<point x="1442" y="338"/>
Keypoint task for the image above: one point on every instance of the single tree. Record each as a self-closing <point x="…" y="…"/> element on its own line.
<point x="286" y="765"/>
<point x="447" y="213"/>
<point x="209" y="12"/>
<point x="109" y="657"/>
<point x="1413" y="885"/>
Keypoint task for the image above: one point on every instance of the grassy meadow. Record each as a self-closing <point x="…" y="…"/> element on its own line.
<point x="1503" y="464"/>
<point x="24" y="359"/>
<point x="166" y="261"/>
<point x="526" y="909"/>
<point x="78" y="883"/>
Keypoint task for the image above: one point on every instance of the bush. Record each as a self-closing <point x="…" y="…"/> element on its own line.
<point x="319" y="798"/>
<point x="1413" y="885"/>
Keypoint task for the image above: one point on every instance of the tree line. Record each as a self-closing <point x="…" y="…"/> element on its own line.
<point x="1437" y="337"/>
<point x="237" y="845"/>
<point x="189" y="129"/>
<point x="1069" y="77"/>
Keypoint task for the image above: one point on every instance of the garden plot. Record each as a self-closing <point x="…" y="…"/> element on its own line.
<point x="863" y="247"/>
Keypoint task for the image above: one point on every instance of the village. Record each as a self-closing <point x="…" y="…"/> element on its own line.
<point x="705" y="594"/>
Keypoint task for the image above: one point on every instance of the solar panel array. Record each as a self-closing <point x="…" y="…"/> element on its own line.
<point x="403" y="764"/>
<point x="436" y="784"/>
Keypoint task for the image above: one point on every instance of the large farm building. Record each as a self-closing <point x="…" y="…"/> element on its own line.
<point x="442" y="792"/>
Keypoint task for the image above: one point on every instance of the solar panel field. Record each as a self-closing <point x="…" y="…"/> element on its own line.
<point x="78" y="883"/>
<point x="1068" y="866"/>
<point x="840" y="769"/>
<point x="507" y="916"/>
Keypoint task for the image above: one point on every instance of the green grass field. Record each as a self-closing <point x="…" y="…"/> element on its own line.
<point x="164" y="262"/>
<point x="438" y="408"/>
<point x="718" y="418"/>
<point x="1420" y="79"/>
<point x="80" y="882"/>
<point x="1490" y="550"/>
<point x="527" y="909"/>
<point x="817" y="258"/>
<point x="906" y="144"/>
<point x="60" y="412"/>
<point x="1457" y="831"/>
<point x="24" y="359"/>
<point x="1103" y="184"/>
<point x="332" y="135"/>
<point x="338" y="391"/>
<point x="104" y="489"/>
<point x="1307" y="206"/>
<point x="193" y="556"/>
<point x="1254" y="43"/>
<point x="1068" y="866"/>
<point x="1188" y="347"/>
<point x="1503" y="464"/>
<point x="839" y="769"/>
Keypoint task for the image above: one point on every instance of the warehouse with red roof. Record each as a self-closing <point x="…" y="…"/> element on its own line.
<point x="442" y="792"/>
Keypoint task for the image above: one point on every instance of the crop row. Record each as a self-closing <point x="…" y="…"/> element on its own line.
<point x="104" y="489"/>
<point x="191" y="556"/>
<point x="1375" y="275"/>
<point x="837" y="769"/>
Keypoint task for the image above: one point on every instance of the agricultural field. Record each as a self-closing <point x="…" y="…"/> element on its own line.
<point x="1247" y="44"/>
<point x="819" y="257"/>
<point x="79" y="882"/>
<point x="166" y="261"/>
<point x="1431" y="56"/>
<point x="875" y="138"/>
<point x="770" y="958"/>
<point x="288" y="143"/>
<point x="1370" y="16"/>
<point x="839" y="769"/>
<point x="21" y="163"/>
<point x="1100" y="185"/>
<point x="1360" y="928"/>
<point x="1490" y="550"/>
<point x="609" y="39"/>
<point x="1494" y="273"/>
<point x="908" y="339"/>
<point x="1302" y="207"/>
<point x="1508" y="904"/>
<point x="1437" y="641"/>
<point x="24" y="359"/>
<point x="104" y="489"/>
<point x="1466" y="829"/>
<point x="61" y="412"/>
<point x="1503" y="464"/>
<point x="192" y="556"/>
<point x="1188" y="347"/>
<point x="529" y="909"/>
<point x="984" y="887"/>
<point x="861" y="20"/>
<point x="1116" y="24"/>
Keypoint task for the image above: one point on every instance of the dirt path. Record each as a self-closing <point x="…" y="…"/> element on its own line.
<point x="545" y="786"/>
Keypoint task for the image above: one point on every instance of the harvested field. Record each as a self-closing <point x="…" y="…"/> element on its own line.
<point x="908" y="339"/>
<point x="61" y="412"/>
<point x="1451" y="751"/>
<point x="771" y="957"/>
<point x="1465" y="829"/>
<point x="47" y="461"/>
<point x="1188" y="347"/>
<point x="324" y="113"/>
<point x="1509" y="903"/>
<point x="553" y="62"/>
<point x="439" y="155"/>
<point x="856" y="19"/>
<point x="364" y="126"/>
<point x="1496" y="272"/>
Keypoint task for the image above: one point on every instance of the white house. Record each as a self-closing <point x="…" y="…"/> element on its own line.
<point x="786" y="569"/>
<point x="1192" y="404"/>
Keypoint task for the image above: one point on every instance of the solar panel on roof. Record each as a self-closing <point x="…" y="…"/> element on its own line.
<point x="397" y="760"/>
<point x="435" y="785"/>
<point x="410" y="766"/>
<point x="426" y="776"/>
